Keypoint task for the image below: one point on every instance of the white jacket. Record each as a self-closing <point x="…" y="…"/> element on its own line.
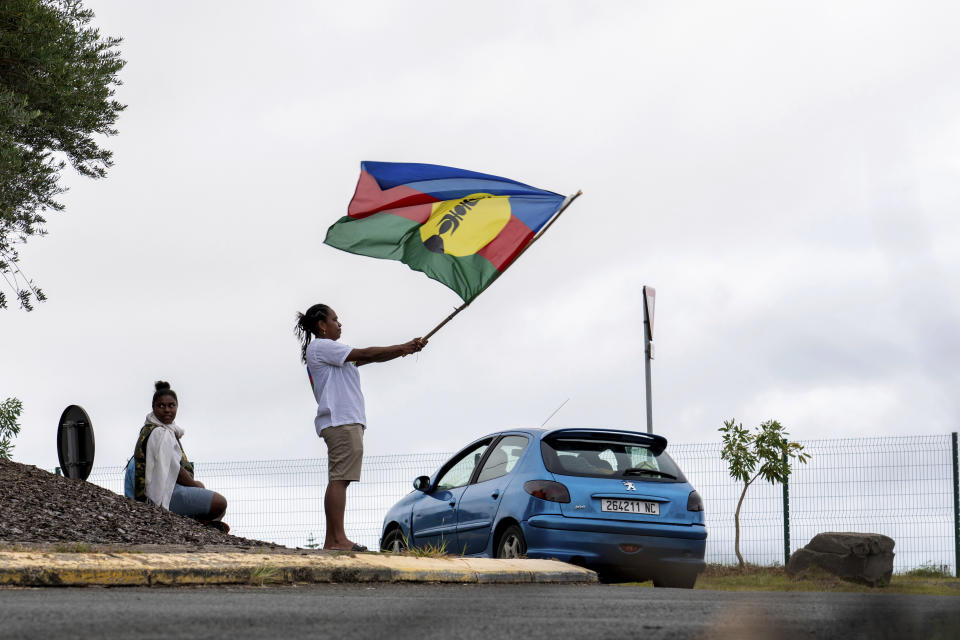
<point x="163" y="461"/>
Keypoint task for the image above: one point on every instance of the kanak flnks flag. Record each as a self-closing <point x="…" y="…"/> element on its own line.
<point x="461" y="228"/>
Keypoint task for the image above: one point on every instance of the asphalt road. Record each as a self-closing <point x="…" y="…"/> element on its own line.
<point x="416" y="611"/>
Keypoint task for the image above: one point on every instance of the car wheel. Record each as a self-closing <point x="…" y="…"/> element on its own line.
<point x="394" y="541"/>
<point x="511" y="543"/>
<point x="678" y="581"/>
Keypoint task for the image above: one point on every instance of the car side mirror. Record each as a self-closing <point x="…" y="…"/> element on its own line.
<point x="422" y="483"/>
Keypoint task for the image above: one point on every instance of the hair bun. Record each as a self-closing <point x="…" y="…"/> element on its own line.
<point x="161" y="385"/>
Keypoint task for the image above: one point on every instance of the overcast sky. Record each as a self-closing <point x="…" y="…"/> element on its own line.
<point x="785" y="176"/>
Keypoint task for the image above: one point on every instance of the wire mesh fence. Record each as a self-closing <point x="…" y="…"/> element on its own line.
<point x="282" y="500"/>
<point x="903" y="487"/>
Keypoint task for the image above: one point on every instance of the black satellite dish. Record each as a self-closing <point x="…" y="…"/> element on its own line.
<point x="75" y="443"/>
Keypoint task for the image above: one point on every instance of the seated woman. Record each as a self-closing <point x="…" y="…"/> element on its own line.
<point x="159" y="472"/>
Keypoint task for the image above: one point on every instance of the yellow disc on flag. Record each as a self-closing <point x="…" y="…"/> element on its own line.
<point x="464" y="226"/>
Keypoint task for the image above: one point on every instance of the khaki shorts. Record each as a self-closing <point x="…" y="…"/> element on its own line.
<point x="344" y="451"/>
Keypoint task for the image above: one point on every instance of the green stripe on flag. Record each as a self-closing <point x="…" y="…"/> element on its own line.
<point x="381" y="235"/>
<point x="392" y="237"/>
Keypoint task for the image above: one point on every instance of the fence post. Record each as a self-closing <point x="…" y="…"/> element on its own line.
<point x="786" y="518"/>
<point x="956" y="508"/>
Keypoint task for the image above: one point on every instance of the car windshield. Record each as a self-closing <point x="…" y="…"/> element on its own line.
<point x="606" y="459"/>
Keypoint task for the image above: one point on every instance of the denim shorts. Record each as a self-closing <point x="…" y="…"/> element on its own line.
<point x="187" y="501"/>
<point x="191" y="501"/>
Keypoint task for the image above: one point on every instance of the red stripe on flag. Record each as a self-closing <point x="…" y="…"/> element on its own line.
<point x="419" y="213"/>
<point x="504" y="248"/>
<point x="369" y="198"/>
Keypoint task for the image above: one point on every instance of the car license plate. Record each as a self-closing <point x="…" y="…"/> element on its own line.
<point x="630" y="506"/>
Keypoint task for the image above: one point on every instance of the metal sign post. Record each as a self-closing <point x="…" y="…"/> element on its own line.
<point x="649" y="300"/>
<point x="75" y="445"/>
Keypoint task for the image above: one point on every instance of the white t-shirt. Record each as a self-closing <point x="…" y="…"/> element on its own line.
<point x="336" y="384"/>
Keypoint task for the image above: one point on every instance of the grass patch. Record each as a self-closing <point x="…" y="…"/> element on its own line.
<point x="925" y="580"/>
<point x="77" y="547"/>
<point x="429" y="550"/>
<point x="929" y="570"/>
<point x="263" y="574"/>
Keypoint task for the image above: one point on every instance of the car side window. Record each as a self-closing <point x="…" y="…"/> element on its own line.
<point x="503" y="457"/>
<point x="459" y="473"/>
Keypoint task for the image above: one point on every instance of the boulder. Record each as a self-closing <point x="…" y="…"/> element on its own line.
<point x="865" y="558"/>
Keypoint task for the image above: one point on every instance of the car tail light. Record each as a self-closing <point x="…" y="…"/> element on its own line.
<point x="694" y="502"/>
<point x="547" y="490"/>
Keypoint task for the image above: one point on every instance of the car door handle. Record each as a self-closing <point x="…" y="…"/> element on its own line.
<point x="453" y="503"/>
<point x="495" y="495"/>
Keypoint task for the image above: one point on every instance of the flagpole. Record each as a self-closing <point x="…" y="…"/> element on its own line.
<point x="450" y="317"/>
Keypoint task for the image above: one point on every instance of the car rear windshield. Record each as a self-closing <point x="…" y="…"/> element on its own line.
<point x="608" y="459"/>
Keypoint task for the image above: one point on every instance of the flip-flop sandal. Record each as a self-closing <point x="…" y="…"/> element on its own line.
<point x="358" y="547"/>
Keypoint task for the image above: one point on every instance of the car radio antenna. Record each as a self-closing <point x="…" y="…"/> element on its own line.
<point x="555" y="411"/>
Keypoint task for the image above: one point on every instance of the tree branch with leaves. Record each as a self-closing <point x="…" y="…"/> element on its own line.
<point x="57" y="81"/>
<point x="763" y="453"/>
<point x="9" y="426"/>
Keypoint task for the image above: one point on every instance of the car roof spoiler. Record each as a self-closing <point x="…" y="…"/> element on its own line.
<point x="655" y="443"/>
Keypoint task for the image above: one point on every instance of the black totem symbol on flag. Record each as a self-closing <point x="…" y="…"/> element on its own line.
<point x="449" y="224"/>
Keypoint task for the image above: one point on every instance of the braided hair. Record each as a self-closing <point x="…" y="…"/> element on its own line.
<point x="162" y="389"/>
<point x="307" y="325"/>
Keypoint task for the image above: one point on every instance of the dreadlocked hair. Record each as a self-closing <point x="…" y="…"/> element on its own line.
<point x="307" y="324"/>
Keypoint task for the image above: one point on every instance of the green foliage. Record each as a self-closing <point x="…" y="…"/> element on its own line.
<point x="930" y="570"/>
<point x="57" y="80"/>
<point x="767" y="447"/>
<point x="312" y="542"/>
<point x="429" y="550"/>
<point x="763" y="453"/>
<point x="9" y="427"/>
<point x="263" y="574"/>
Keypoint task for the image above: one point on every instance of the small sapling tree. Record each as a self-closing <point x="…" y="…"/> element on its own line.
<point x="763" y="453"/>
<point x="9" y="427"/>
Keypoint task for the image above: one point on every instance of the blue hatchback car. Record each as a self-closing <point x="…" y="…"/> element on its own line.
<point x="609" y="500"/>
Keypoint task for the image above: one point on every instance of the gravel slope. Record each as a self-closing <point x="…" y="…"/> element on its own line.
<point x="37" y="506"/>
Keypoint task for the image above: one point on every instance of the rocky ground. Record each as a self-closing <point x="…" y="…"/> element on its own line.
<point x="40" y="508"/>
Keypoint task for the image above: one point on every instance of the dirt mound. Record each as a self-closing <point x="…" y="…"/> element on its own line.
<point x="37" y="506"/>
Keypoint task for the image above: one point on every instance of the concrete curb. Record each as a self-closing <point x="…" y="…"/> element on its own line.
<point x="36" y="569"/>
